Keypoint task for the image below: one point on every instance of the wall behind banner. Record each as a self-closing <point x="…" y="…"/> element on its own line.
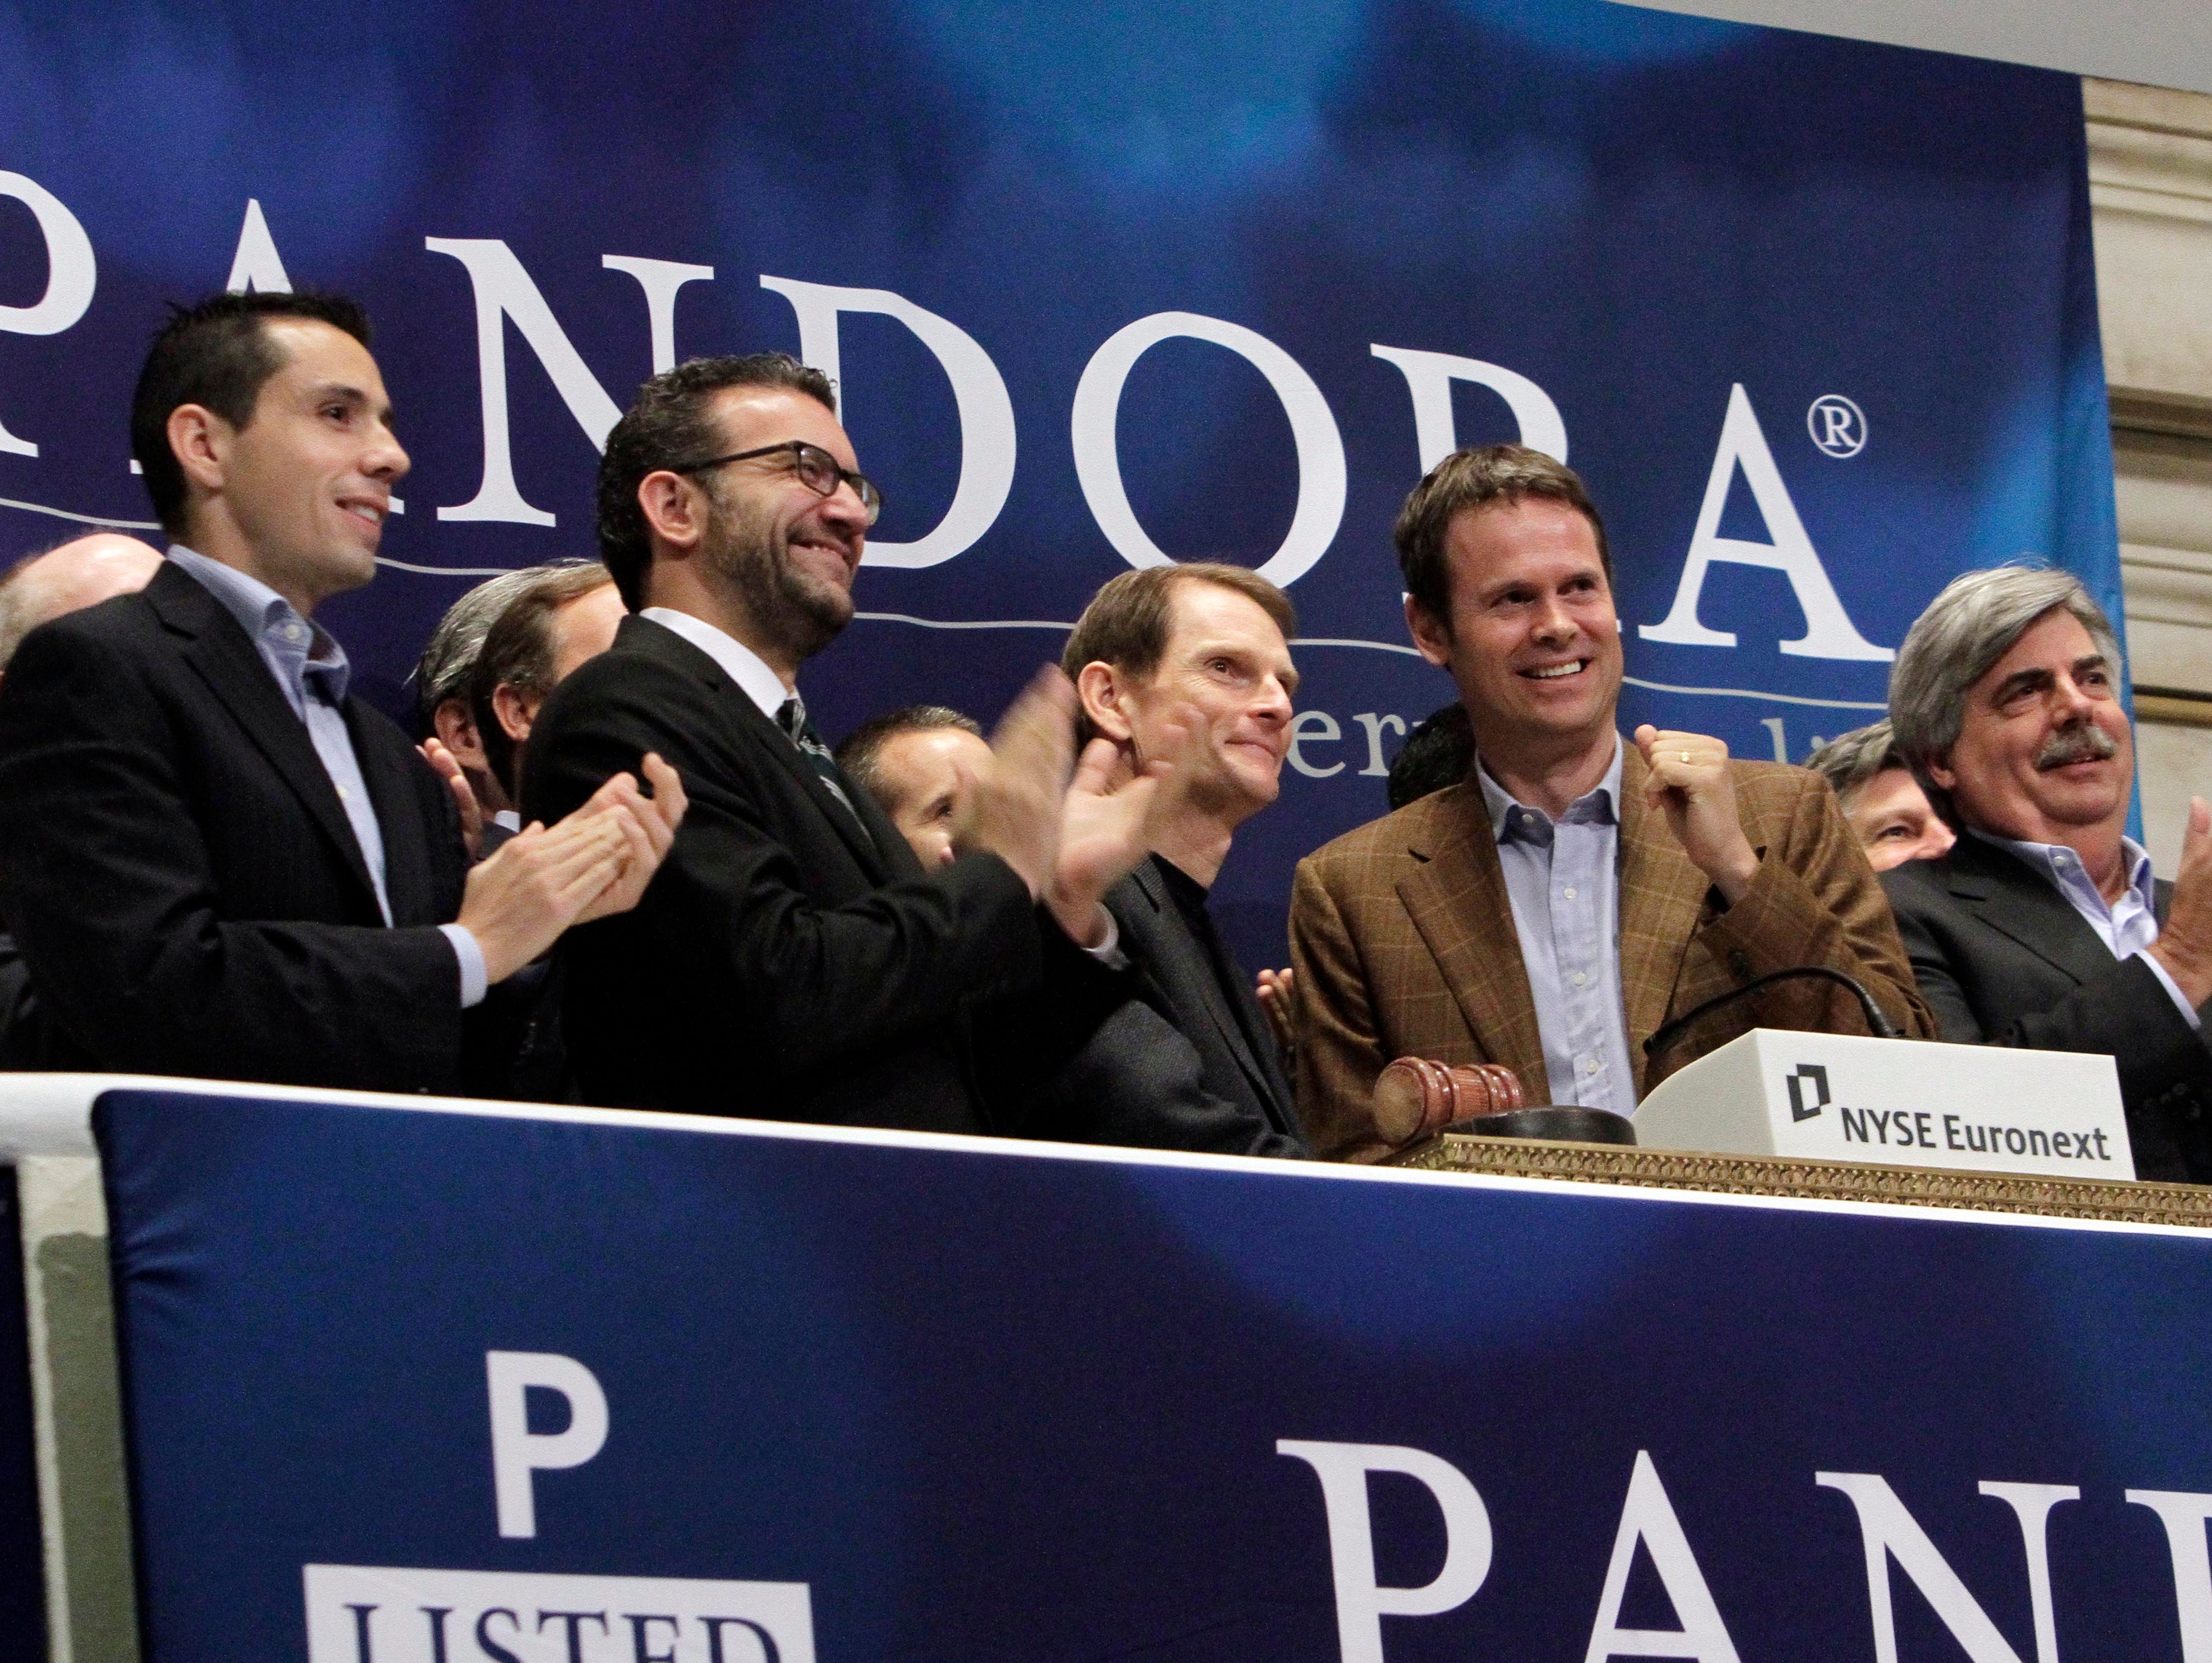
<point x="1815" y="319"/>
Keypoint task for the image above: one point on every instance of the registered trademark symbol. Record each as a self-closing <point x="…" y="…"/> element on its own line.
<point x="1838" y="425"/>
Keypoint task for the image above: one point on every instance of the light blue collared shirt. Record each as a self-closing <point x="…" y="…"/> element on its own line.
<point x="1562" y="879"/>
<point x="311" y="671"/>
<point x="2127" y="926"/>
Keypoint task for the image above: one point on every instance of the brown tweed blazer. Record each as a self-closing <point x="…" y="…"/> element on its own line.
<point x="1403" y="937"/>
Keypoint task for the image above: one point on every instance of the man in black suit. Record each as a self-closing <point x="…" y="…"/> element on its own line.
<point x="216" y="861"/>
<point x="793" y="961"/>
<point x="1186" y="1059"/>
<point x="2042" y="926"/>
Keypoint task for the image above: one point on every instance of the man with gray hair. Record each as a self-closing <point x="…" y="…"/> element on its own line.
<point x="441" y="680"/>
<point x="67" y="578"/>
<point x="2042" y="927"/>
<point x="1885" y="804"/>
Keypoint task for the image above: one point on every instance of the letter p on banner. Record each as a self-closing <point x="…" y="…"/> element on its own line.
<point x="1360" y="1605"/>
<point x="516" y="1451"/>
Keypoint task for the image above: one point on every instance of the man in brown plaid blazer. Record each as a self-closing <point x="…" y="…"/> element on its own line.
<point x="1555" y="909"/>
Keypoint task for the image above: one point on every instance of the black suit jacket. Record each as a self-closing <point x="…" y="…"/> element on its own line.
<point x="784" y="964"/>
<point x="2003" y="958"/>
<point x="1178" y="1061"/>
<point x="180" y="875"/>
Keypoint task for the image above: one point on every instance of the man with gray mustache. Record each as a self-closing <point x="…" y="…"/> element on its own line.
<point x="2043" y="926"/>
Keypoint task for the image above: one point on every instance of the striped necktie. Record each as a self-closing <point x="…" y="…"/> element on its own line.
<point x="791" y="717"/>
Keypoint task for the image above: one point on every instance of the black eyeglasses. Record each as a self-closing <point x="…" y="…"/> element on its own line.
<point x="816" y="470"/>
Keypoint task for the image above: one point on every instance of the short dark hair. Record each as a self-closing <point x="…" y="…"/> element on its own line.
<point x="216" y="353"/>
<point x="1437" y="753"/>
<point x="518" y="652"/>
<point x="670" y="424"/>
<point x="1476" y="477"/>
<point x="1850" y="761"/>
<point x="859" y="751"/>
<point x="1125" y="624"/>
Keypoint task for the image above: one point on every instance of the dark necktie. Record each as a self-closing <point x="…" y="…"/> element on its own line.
<point x="791" y="717"/>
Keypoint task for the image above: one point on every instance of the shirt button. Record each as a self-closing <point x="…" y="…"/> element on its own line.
<point x="1568" y="892"/>
<point x="1589" y="1065"/>
<point x="1581" y="977"/>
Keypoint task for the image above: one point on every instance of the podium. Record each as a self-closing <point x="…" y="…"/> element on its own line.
<point x="1846" y="1097"/>
<point x="910" y="1394"/>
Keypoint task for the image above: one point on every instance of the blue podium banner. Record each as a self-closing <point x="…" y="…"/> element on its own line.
<point x="422" y="1386"/>
<point x="1109" y="286"/>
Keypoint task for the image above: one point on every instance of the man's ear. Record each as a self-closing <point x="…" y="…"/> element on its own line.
<point x="1430" y="634"/>
<point x="675" y="508"/>
<point x="1941" y="772"/>
<point x="1098" y="684"/>
<point x="200" y="440"/>
<point x="517" y="708"/>
<point x="456" y="731"/>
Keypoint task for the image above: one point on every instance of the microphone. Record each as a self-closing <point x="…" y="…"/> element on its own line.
<point x="1878" y="1024"/>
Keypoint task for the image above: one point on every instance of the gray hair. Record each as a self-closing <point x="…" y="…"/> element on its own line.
<point x="442" y="672"/>
<point x="1852" y="760"/>
<point x="1964" y="631"/>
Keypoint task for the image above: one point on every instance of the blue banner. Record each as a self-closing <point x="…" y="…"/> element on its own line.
<point x="1111" y="285"/>
<point x="421" y="1386"/>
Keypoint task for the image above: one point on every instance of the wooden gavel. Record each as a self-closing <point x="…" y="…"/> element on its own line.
<point x="1416" y="1097"/>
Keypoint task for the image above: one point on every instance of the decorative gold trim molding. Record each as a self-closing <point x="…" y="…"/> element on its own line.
<point x="2179" y="711"/>
<point x="1823" y="1180"/>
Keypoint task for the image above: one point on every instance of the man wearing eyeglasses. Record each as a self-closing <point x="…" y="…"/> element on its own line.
<point x="793" y="960"/>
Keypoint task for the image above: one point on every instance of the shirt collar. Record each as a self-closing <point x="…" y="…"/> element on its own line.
<point x="272" y="623"/>
<point x="2063" y="867"/>
<point x="738" y="661"/>
<point x="1509" y="817"/>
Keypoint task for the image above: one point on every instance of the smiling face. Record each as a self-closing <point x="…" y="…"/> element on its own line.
<point x="1531" y="640"/>
<point x="1226" y="675"/>
<point x="1893" y="820"/>
<point x="2044" y="751"/>
<point x="787" y="555"/>
<point x="306" y="485"/>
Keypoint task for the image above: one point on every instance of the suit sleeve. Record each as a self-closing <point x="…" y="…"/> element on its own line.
<point x="106" y="879"/>
<point x="1816" y="901"/>
<point x="1137" y="1083"/>
<point x="730" y="906"/>
<point x="1340" y="1052"/>
<point x="2125" y="1013"/>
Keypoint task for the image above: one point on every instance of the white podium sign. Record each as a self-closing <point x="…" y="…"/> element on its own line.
<point x="1896" y="1102"/>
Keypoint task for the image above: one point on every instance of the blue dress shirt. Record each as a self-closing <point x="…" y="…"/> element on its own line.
<point x="2126" y="926"/>
<point x="1563" y="878"/>
<point x="311" y="671"/>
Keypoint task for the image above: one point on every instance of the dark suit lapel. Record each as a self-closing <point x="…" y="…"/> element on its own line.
<point x="1198" y="964"/>
<point x="2024" y="906"/>
<point x="667" y="643"/>
<point x="221" y="654"/>
<point x="1457" y="902"/>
